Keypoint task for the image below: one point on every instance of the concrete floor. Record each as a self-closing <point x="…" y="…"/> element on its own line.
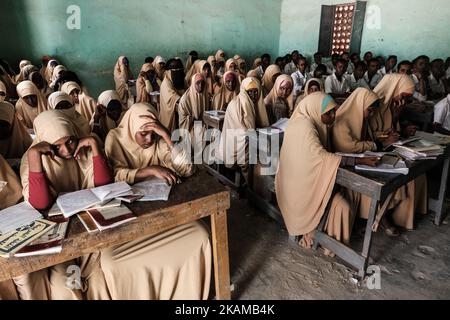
<point x="264" y="265"/>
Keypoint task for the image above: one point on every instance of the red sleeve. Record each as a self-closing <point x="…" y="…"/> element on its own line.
<point x="102" y="173"/>
<point x="39" y="193"/>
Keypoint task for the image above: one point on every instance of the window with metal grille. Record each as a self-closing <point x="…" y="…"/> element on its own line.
<point x="341" y="28"/>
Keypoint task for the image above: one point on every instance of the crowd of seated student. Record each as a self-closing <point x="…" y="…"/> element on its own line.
<point x="115" y="139"/>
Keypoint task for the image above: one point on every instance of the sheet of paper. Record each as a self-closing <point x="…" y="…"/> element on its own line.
<point x="111" y="191"/>
<point x="17" y="216"/>
<point x="281" y="124"/>
<point x="153" y="190"/>
<point x="74" y="202"/>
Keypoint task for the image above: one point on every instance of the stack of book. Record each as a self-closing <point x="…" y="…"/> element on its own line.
<point x="419" y="150"/>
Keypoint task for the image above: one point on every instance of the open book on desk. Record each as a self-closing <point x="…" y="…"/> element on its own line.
<point x="55" y="211"/>
<point x="402" y="142"/>
<point x="16" y="216"/>
<point x="216" y="114"/>
<point x="74" y="202"/>
<point x="152" y="190"/>
<point x="278" y="127"/>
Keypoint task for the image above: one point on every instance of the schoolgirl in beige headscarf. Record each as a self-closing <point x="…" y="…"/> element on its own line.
<point x="3" y="92"/>
<point x="228" y="90"/>
<point x="30" y="104"/>
<point x="244" y="113"/>
<point x="14" y="137"/>
<point x="147" y="83"/>
<point x="269" y="78"/>
<point x="122" y="74"/>
<point x="84" y="104"/>
<point x="159" y="65"/>
<point x="392" y="90"/>
<point x="175" y="264"/>
<point x="279" y="102"/>
<point x="20" y="77"/>
<point x="312" y="85"/>
<point x="169" y="97"/>
<point x="108" y="113"/>
<point x="63" y="102"/>
<point x="60" y="161"/>
<point x="52" y="64"/>
<point x="307" y="172"/>
<point x="56" y="75"/>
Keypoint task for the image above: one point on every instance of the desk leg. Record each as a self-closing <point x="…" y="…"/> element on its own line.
<point x="368" y="237"/>
<point x="442" y="192"/>
<point x="220" y="253"/>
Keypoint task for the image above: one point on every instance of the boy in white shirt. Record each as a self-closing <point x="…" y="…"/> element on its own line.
<point x="372" y="76"/>
<point x="291" y="67"/>
<point x="389" y="66"/>
<point x="337" y="85"/>
<point x="436" y="79"/>
<point x="356" y="80"/>
<point x="317" y="61"/>
<point x="442" y="116"/>
<point x="300" y="77"/>
<point x="419" y="76"/>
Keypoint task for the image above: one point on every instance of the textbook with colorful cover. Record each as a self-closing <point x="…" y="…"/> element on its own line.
<point x="50" y="242"/>
<point x="15" y="240"/>
<point x="74" y="202"/>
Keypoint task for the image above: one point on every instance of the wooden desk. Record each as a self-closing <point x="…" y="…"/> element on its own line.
<point x="377" y="186"/>
<point x="198" y="197"/>
<point x="212" y="122"/>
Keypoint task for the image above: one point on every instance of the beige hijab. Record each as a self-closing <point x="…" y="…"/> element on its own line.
<point x="348" y="135"/>
<point x="125" y="154"/>
<point x="307" y="171"/>
<point x="273" y="96"/>
<point x="256" y="63"/>
<point x="211" y="60"/>
<point x="80" y="124"/>
<point x="55" y="74"/>
<point x="192" y="104"/>
<point x="160" y="71"/>
<point x="219" y="54"/>
<point x="10" y="187"/>
<point x="19" y="141"/>
<point x="223" y="96"/>
<point x="308" y="84"/>
<point x="49" y="71"/>
<point x="241" y="115"/>
<point x="168" y="99"/>
<point x="86" y="105"/>
<point x="267" y="80"/>
<point x="390" y="86"/>
<point x="106" y="123"/>
<point x="62" y="175"/>
<point x="122" y="74"/>
<point x="142" y="95"/>
<point x="20" y="77"/>
<point x="3" y="90"/>
<point x="198" y="68"/>
<point x="229" y="63"/>
<point x="25" y="113"/>
<point x="242" y="71"/>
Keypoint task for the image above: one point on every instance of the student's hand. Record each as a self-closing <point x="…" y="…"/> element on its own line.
<point x="87" y="143"/>
<point x="369" y="161"/>
<point x="163" y="173"/>
<point x="391" y="138"/>
<point x="100" y="112"/>
<point x="409" y="131"/>
<point x="156" y="127"/>
<point x="43" y="148"/>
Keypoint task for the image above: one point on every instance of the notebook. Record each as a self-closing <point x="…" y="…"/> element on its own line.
<point x="74" y="202"/>
<point x="16" y="216"/>
<point x="55" y="211"/>
<point x="110" y="217"/>
<point x="15" y="240"/>
<point x="50" y="242"/>
<point x="216" y="114"/>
